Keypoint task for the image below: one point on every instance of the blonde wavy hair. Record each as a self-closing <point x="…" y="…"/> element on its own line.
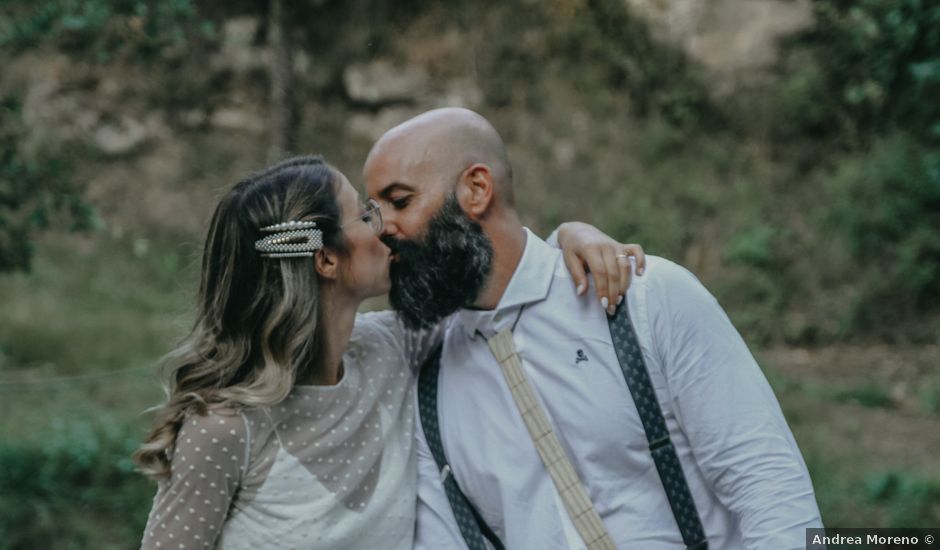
<point x="257" y="320"/>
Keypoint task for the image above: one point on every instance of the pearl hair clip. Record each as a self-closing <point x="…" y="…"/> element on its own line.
<point x="293" y="239"/>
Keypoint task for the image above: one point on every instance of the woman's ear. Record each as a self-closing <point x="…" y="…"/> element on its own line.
<point x="475" y="192"/>
<point x="327" y="263"/>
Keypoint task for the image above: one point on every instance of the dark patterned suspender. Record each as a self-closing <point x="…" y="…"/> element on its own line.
<point x="657" y="434"/>
<point x="472" y="526"/>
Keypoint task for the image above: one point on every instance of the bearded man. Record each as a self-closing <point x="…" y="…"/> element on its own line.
<point x="548" y="421"/>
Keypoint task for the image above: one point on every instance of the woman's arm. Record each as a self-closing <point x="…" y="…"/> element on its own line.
<point x="192" y="504"/>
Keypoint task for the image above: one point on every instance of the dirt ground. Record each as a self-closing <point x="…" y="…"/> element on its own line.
<point x="874" y="404"/>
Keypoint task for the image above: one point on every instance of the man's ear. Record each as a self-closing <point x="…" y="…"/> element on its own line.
<point x="475" y="191"/>
<point x="327" y="263"/>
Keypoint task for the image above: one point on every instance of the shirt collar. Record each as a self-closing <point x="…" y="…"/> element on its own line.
<point x="530" y="283"/>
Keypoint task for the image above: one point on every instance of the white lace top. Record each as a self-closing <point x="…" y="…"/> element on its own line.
<point x="329" y="467"/>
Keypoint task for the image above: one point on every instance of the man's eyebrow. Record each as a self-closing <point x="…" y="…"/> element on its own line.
<point x="395" y="186"/>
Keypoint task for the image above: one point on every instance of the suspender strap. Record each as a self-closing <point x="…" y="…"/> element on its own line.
<point x="471" y="525"/>
<point x="636" y="374"/>
<point x="667" y="463"/>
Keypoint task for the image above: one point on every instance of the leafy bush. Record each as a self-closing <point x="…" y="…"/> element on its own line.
<point x="76" y="488"/>
<point x="930" y="397"/>
<point x="754" y="246"/>
<point x="911" y="501"/>
<point x="658" y="77"/>
<point x="886" y="208"/>
<point x="879" y="63"/>
<point x="35" y="190"/>
<point x="598" y="46"/>
<point x="103" y="27"/>
<point x="866" y="395"/>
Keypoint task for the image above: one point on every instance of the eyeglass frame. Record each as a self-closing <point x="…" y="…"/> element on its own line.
<point x="372" y="208"/>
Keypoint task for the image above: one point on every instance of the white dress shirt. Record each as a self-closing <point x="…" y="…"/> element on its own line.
<point x="745" y="472"/>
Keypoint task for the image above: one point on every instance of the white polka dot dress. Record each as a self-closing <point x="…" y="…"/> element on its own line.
<point x="329" y="467"/>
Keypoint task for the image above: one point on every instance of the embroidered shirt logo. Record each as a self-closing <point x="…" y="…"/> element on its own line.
<point x="580" y="357"/>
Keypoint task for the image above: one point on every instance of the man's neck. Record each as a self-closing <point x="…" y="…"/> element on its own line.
<point x="508" y="238"/>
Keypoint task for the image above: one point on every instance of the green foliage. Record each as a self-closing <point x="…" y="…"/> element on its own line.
<point x="886" y="208"/>
<point x="659" y="78"/>
<point x="867" y="395"/>
<point x="910" y="500"/>
<point x="36" y="192"/>
<point x="802" y="101"/>
<point x="753" y="246"/>
<point x="104" y="27"/>
<point x="930" y="396"/>
<point x="879" y="63"/>
<point x="597" y="46"/>
<point x="77" y="467"/>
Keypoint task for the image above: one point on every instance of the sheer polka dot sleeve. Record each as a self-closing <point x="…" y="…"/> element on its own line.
<point x="208" y="464"/>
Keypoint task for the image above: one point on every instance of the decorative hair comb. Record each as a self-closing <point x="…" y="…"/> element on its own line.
<point x="293" y="239"/>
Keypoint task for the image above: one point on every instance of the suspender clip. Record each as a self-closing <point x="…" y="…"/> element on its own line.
<point x="661" y="442"/>
<point x="445" y="471"/>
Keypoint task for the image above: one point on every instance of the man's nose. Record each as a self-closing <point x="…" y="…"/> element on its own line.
<point x="389" y="219"/>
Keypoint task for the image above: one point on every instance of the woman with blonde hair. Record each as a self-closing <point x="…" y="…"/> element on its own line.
<point x="289" y="418"/>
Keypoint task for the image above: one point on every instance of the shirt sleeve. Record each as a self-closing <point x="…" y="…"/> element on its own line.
<point x="436" y="526"/>
<point x="207" y="465"/>
<point x="737" y="432"/>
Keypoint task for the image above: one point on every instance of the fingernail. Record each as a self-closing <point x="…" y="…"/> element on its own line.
<point x="611" y="310"/>
<point x="619" y="299"/>
<point x="580" y="289"/>
<point x="604" y="303"/>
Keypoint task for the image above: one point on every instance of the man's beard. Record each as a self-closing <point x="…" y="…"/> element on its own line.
<point x="442" y="271"/>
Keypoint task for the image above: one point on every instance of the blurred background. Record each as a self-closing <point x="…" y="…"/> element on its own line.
<point x="786" y="151"/>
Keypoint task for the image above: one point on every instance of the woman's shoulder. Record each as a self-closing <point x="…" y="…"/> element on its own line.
<point x="383" y="325"/>
<point x="379" y="337"/>
<point x="217" y="427"/>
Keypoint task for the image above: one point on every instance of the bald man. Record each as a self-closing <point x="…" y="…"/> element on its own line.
<point x="445" y="184"/>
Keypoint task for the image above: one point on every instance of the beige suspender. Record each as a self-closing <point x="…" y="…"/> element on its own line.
<point x="579" y="507"/>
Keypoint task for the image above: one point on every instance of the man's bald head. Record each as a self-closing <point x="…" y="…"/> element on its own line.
<point x="446" y="142"/>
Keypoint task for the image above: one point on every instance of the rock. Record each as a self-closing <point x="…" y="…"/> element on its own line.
<point x="460" y="92"/>
<point x="231" y="118"/>
<point x="110" y="88"/>
<point x="193" y="118"/>
<point x="124" y="135"/>
<point x="238" y="51"/>
<point x="380" y="82"/>
<point x="119" y="138"/>
<point x="43" y="99"/>
<point x="564" y="152"/>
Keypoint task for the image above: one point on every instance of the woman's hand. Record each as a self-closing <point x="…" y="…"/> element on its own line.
<point x="588" y="249"/>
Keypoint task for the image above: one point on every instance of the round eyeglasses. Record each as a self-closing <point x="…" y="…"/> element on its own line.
<point x="372" y="215"/>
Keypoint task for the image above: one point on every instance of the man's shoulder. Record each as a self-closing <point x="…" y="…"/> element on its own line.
<point x="663" y="272"/>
